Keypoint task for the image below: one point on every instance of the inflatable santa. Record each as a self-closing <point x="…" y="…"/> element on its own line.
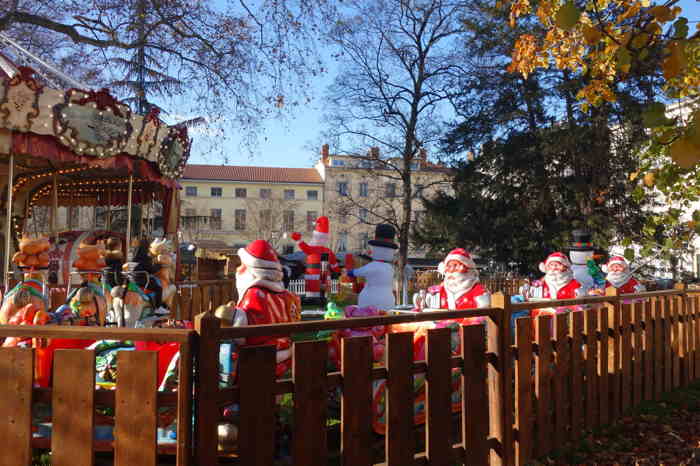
<point x="262" y="299"/>
<point x="318" y="245"/>
<point x="379" y="273"/>
<point x="460" y="288"/>
<point x="619" y="275"/>
<point x="558" y="281"/>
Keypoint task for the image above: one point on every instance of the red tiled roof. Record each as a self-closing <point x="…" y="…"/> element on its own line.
<point x="245" y="173"/>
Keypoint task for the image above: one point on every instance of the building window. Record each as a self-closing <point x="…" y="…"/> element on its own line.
<point x="418" y="216"/>
<point x="363" y="214"/>
<point x="364" y="238"/>
<point x="419" y="190"/>
<point x="239" y="219"/>
<point x="288" y="220"/>
<point x="414" y="165"/>
<point x="216" y="192"/>
<point x="363" y="189"/>
<point x="343" y="188"/>
<point x="215" y="219"/>
<point x="311" y="217"/>
<point x="390" y="190"/>
<point x="338" y="163"/>
<point x="191" y="191"/>
<point x="366" y="164"/>
<point x="342" y="245"/>
<point x="265" y="193"/>
<point x="288" y="194"/>
<point x="241" y="192"/>
<point x="312" y="195"/>
<point x="266" y="219"/>
<point x="343" y="214"/>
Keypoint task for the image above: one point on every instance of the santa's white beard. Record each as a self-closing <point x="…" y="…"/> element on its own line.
<point x="617" y="279"/>
<point x="557" y="280"/>
<point x="459" y="283"/>
<point x="266" y="278"/>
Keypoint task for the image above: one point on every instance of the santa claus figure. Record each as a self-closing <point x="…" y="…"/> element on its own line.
<point x="318" y="246"/>
<point x="558" y="281"/>
<point x="262" y="299"/>
<point x="619" y="275"/>
<point x="461" y="288"/>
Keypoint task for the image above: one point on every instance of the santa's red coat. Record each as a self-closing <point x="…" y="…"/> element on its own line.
<point x="571" y="290"/>
<point x="263" y="306"/>
<point x="631" y="286"/>
<point x="466" y="301"/>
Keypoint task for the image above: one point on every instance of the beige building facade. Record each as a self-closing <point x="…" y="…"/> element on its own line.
<point x="238" y="204"/>
<point x="360" y="194"/>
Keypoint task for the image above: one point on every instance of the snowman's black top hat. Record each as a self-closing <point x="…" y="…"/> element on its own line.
<point x="384" y="236"/>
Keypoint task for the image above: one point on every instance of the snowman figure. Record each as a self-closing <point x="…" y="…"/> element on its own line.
<point x="379" y="273"/>
<point x="581" y="253"/>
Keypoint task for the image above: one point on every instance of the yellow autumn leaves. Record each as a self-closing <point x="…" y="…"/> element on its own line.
<point x="605" y="39"/>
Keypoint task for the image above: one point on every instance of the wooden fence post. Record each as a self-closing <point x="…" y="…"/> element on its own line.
<point x="207" y="389"/>
<point x="501" y="381"/>
<point x="614" y="376"/>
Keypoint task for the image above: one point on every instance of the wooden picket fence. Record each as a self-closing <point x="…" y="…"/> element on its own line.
<point x="200" y="296"/>
<point x="74" y="399"/>
<point x="527" y="389"/>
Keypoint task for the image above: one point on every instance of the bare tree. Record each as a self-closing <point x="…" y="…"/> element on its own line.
<point x="400" y="66"/>
<point x="270" y="219"/>
<point x="234" y="62"/>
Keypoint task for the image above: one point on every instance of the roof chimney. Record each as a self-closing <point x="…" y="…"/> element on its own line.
<point x="374" y="152"/>
<point x="423" y="154"/>
<point x="325" y="154"/>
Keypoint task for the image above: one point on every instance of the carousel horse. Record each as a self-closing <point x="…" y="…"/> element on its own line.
<point x="86" y="304"/>
<point x="31" y="258"/>
<point x="162" y="252"/>
<point x="138" y="301"/>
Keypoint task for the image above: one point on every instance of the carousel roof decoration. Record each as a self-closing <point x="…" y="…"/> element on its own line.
<point x="92" y="123"/>
<point x="86" y="127"/>
<point x="19" y="100"/>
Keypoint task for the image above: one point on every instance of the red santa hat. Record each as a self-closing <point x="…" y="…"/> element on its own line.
<point x="554" y="257"/>
<point x="320" y="234"/>
<point x="460" y="255"/>
<point x="259" y="255"/>
<point x="614" y="260"/>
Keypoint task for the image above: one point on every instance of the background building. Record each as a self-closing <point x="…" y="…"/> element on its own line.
<point x="237" y="204"/>
<point x="359" y="195"/>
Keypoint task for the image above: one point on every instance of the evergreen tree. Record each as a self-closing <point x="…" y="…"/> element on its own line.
<point x="542" y="165"/>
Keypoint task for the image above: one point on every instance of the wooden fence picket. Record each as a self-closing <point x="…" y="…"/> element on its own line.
<point x="561" y="379"/>
<point x="310" y="390"/>
<point x="685" y="341"/>
<point x="257" y="405"/>
<point x="543" y="385"/>
<point x="668" y="343"/>
<point x="523" y="391"/>
<point x="475" y="402"/>
<point x="399" y="400"/>
<point x="676" y="344"/>
<point x="695" y="306"/>
<point x="438" y="392"/>
<point x="136" y="409"/>
<point x="659" y="351"/>
<point x="637" y="341"/>
<point x="73" y="410"/>
<point x="603" y="367"/>
<point x="625" y="358"/>
<point x="614" y="362"/>
<point x="356" y="407"/>
<point x="577" y="372"/>
<point x="17" y="374"/>
<point x="648" y="350"/>
<point x="592" y="390"/>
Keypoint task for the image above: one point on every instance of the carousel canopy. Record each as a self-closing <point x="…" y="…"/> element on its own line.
<point x="48" y="128"/>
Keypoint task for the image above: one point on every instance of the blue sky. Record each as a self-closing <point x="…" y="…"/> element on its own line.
<point x="295" y="140"/>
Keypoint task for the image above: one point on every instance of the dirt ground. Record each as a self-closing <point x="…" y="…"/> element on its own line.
<point x="666" y="432"/>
